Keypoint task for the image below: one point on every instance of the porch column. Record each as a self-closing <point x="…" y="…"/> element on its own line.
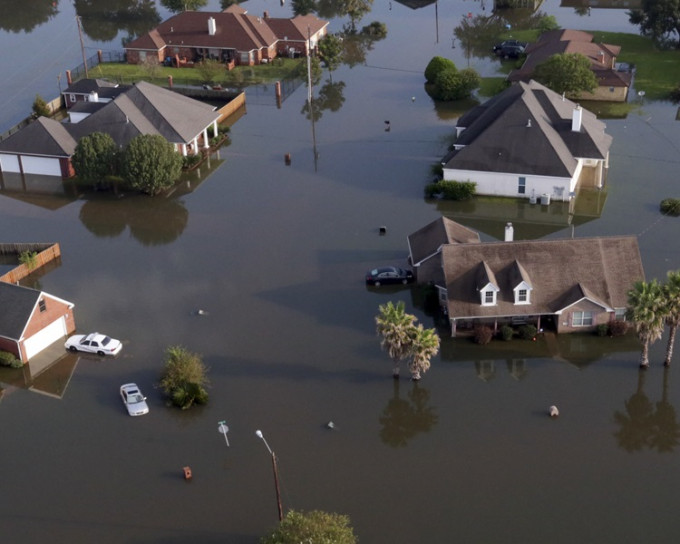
<point x="184" y="150"/>
<point x="538" y="323"/>
<point x="194" y="145"/>
<point x="215" y="129"/>
<point x="206" y="143"/>
<point x="453" y="328"/>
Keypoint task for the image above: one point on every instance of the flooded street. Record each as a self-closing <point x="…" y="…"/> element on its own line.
<point x="275" y="255"/>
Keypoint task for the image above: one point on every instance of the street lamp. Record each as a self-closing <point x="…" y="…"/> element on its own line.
<point x="259" y="434"/>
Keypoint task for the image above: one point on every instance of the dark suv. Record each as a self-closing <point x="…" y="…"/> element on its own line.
<point x="509" y="49"/>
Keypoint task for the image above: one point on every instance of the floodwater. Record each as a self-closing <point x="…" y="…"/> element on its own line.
<point x="275" y="255"/>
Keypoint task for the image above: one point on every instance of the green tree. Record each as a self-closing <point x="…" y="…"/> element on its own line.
<point x="658" y="20"/>
<point x="394" y="327"/>
<point x="95" y="157"/>
<point x="330" y="50"/>
<point x="150" y="164"/>
<point x="567" y="73"/>
<point x="356" y="9"/>
<point x="645" y="310"/>
<point x="183" y="5"/>
<point x="454" y="85"/>
<point x="184" y="377"/>
<point x="671" y="300"/>
<point x="436" y="66"/>
<point x="303" y="7"/>
<point x="424" y="344"/>
<point x="40" y="107"/>
<point x="312" y="527"/>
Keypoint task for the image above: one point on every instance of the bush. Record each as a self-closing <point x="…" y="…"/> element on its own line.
<point x="436" y="66"/>
<point x="451" y="190"/>
<point x="184" y="377"/>
<point x="527" y="332"/>
<point x="483" y="334"/>
<point x="670" y="206"/>
<point x="618" y="328"/>
<point x="40" y="107"/>
<point x="451" y="84"/>
<point x="191" y="160"/>
<point x="29" y="259"/>
<point x="602" y="329"/>
<point x="8" y="359"/>
<point x="507" y="332"/>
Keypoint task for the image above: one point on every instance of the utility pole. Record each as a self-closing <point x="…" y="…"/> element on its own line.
<point x="82" y="46"/>
<point x="309" y="67"/>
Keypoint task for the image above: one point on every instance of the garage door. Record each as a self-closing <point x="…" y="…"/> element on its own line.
<point x="9" y="163"/>
<point x="40" y="340"/>
<point x="41" y="165"/>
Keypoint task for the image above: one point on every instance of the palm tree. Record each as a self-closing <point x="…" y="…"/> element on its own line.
<point x="393" y="325"/>
<point x="645" y="310"/>
<point x="671" y="292"/>
<point x="424" y="346"/>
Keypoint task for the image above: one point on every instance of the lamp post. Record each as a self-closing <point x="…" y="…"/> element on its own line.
<point x="259" y="434"/>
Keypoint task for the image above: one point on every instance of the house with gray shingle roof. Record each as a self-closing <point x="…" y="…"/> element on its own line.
<point x="231" y="36"/>
<point x="569" y="285"/>
<point x="31" y="320"/>
<point x="46" y="146"/>
<point x="529" y="141"/>
<point x="613" y="79"/>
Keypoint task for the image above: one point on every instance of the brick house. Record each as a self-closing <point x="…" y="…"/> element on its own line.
<point x="31" y="320"/>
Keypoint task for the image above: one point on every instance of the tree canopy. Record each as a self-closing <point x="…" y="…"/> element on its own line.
<point x="94" y="157"/>
<point x="314" y="526"/>
<point x="184" y="377"/>
<point x="436" y="66"/>
<point x="658" y="20"/>
<point x="567" y="73"/>
<point x="183" y="5"/>
<point x="151" y="164"/>
<point x="330" y="49"/>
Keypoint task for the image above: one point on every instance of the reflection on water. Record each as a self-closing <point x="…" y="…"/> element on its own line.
<point x="403" y="419"/>
<point x="644" y="425"/>
<point x="25" y="15"/>
<point x="102" y="20"/>
<point x="48" y="373"/>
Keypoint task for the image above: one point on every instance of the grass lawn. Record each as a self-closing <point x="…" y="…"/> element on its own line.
<point x="241" y="76"/>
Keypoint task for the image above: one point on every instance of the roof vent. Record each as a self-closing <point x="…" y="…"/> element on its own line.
<point x="509" y="232"/>
<point x="528" y="123"/>
<point x="212" y="26"/>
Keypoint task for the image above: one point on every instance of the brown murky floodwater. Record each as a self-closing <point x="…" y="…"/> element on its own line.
<point x="275" y="255"/>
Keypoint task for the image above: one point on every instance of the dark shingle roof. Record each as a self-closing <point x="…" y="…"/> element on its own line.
<point x="426" y="241"/>
<point x="527" y="129"/>
<point x="43" y="137"/>
<point x="17" y="305"/>
<point x="562" y="272"/>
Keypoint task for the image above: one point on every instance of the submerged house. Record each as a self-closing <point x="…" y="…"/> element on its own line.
<point x="231" y="36"/>
<point x="529" y="142"/>
<point x="568" y="285"/>
<point x="613" y="79"/>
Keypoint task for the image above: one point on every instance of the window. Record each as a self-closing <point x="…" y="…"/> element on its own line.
<point x="620" y="314"/>
<point x="488" y="297"/>
<point x="522" y="295"/>
<point x="522" y="187"/>
<point x="72" y="97"/>
<point x="581" y="319"/>
<point x="41" y="305"/>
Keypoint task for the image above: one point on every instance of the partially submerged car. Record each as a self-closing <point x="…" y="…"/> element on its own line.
<point x="94" y="343"/>
<point x="388" y="275"/>
<point x="510" y="49"/>
<point x="133" y="399"/>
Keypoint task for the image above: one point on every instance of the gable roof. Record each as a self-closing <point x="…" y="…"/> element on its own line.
<point x="426" y="242"/>
<point x="44" y="136"/>
<point x="100" y="86"/>
<point x="527" y="129"/>
<point x="563" y="272"/>
<point x="234" y="29"/>
<point x="602" y="56"/>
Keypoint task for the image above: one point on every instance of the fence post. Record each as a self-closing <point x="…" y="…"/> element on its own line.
<point x="99" y="55"/>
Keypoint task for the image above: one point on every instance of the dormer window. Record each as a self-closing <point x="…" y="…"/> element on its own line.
<point x="489" y="297"/>
<point x="522" y="295"/>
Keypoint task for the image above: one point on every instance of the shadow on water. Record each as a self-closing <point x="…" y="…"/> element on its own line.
<point x="402" y="419"/>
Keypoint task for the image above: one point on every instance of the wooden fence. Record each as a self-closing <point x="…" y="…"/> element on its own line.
<point x="46" y="253"/>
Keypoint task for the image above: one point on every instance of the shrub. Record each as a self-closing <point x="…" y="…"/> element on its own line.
<point x="602" y="329"/>
<point x="190" y="160"/>
<point x="507" y="332"/>
<point x="483" y="334"/>
<point x="527" y="332"/>
<point x="618" y="328"/>
<point x="436" y="66"/>
<point x="451" y="190"/>
<point x="40" y="107"/>
<point x="184" y="377"/>
<point x="29" y="259"/>
<point x="8" y="359"/>
<point x="670" y="206"/>
<point x="451" y="84"/>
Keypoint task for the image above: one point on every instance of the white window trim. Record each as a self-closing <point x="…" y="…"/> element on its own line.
<point x="522" y="287"/>
<point x="583" y="315"/>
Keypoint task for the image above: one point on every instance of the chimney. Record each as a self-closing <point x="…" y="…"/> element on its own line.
<point x="94" y="97"/>
<point x="212" y="27"/>
<point x="576" y="119"/>
<point x="600" y="57"/>
<point x="266" y="15"/>
<point x="509" y="232"/>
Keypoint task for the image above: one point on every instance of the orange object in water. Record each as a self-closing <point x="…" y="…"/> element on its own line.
<point x="187" y="473"/>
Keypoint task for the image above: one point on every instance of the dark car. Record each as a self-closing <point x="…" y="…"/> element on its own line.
<point x="388" y="275"/>
<point x="510" y="49"/>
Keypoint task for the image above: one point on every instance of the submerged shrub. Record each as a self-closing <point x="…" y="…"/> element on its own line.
<point x="507" y="332"/>
<point x="8" y="359"/>
<point x="527" y="332"/>
<point x="451" y="190"/>
<point x="618" y="328"/>
<point x="483" y="334"/>
<point x="670" y="206"/>
<point x="602" y="329"/>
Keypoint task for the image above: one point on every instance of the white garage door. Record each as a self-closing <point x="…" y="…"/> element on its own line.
<point x="41" y="165"/>
<point x="9" y="163"/>
<point x="40" y="340"/>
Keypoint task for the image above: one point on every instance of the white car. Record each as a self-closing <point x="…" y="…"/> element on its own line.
<point x="133" y="399"/>
<point x="94" y="343"/>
